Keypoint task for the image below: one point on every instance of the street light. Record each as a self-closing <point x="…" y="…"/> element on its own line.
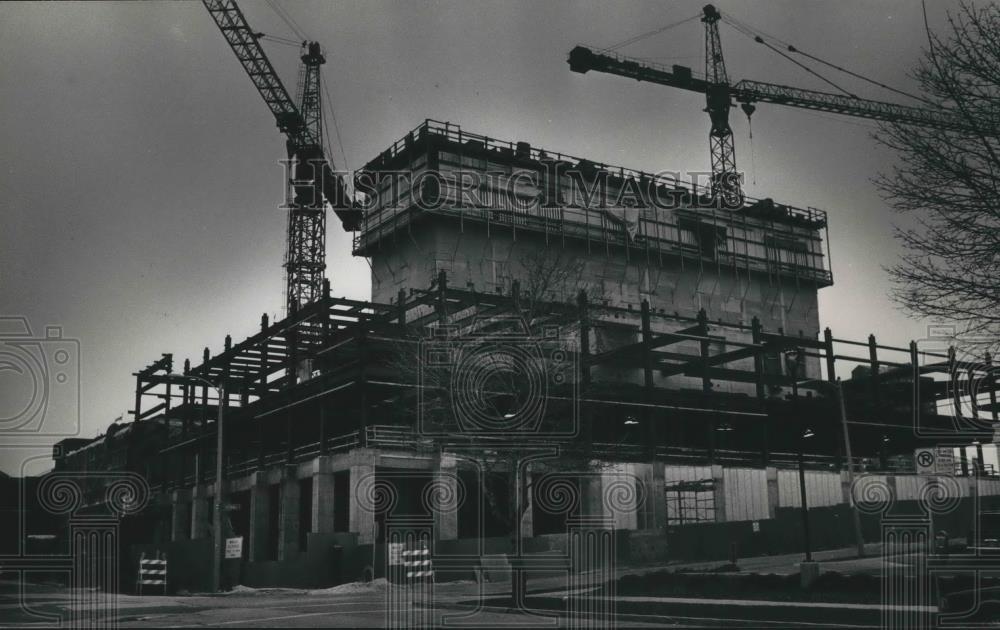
<point x="793" y="365"/>
<point x="220" y="390"/>
<point x="808" y="433"/>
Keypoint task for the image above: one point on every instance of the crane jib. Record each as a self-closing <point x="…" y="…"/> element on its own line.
<point x="583" y="59"/>
<point x="245" y="45"/>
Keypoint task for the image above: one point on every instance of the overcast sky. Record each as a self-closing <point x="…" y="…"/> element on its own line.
<point x="140" y="173"/>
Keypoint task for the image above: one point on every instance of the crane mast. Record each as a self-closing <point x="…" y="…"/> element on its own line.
<point x="725" y="180"/>
<point x="313" y="183"/>
<point x="720" y="96"/>
<point x="305" y="251"/>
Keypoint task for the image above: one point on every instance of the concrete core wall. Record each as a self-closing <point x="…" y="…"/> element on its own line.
<point x="473" y="259"/>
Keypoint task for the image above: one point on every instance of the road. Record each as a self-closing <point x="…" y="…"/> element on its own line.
<point x="345" y="607"/>
<point x="359" y="605"/>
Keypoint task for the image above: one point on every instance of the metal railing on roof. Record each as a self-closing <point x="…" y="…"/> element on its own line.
<point x="510" y="149"/>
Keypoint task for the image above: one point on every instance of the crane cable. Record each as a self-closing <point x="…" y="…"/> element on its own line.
<point x="864" y="78"/>
<point x="287" y="19"/>
<point x="760" y="40"/>
<point x="328" y="102"/>
<point x="277" y="40"/>
<point x="656" y="31"/>
<point x="751" y="31"/>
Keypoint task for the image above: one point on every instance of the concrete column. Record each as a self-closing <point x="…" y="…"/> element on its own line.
<point x="362" y="521"/>
<point x="445" y="503"/>
<point x="845" y="488"/>
<point x="288" y="518"/>
<point x="619" y="495"/>
<point x="592" y="494"/>
<point x="719" y="483"/>
<point x="180" y="517"/>
<point x="655" y="493"/>
<point x="201" y="513"/>
<point x="773" y="497"/>
<point x="260" y="501"/>
<point x="973" y="489"/>
<point x="528" y="518"/>
<point x="322" y="499"/>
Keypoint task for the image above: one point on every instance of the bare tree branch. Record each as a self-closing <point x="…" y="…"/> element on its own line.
<point x="950" y="181"/>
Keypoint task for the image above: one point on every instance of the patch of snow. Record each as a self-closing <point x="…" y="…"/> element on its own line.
<point x="239" y="589"/>
<point x="375" y="586"/>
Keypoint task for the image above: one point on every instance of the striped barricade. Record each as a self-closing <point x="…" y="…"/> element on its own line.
<point x="417" y="564"/>
<point x="152" y="572"/>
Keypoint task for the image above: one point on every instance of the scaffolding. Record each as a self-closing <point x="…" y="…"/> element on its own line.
<point x="652" y="218"/>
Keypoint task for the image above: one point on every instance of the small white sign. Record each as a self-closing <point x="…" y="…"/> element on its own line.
<point x="756" y="527"/>
<point x="395" y="553"/>
<point x="934" y="461"/>
<point x="234" y="547"/>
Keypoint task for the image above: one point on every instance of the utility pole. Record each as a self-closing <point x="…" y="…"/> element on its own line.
<point x="219" y="497"/>
<point x="855" y="516"/>
<point x="793" y="361"/>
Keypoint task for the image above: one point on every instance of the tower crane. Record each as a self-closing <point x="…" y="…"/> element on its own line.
<point x="314" y="181"/>
<point x="721" y="95"/>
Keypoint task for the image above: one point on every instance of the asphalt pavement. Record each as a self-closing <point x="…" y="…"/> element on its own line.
<point x="370" y="605"/>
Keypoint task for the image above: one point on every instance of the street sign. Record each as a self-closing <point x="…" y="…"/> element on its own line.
<point x="234" y="547"/>
<point x="934" y="461"/>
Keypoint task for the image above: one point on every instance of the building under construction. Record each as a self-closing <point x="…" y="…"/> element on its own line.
<point x="627" y="350"/>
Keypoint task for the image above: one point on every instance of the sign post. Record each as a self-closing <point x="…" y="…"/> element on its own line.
<point x="234" y="548"/>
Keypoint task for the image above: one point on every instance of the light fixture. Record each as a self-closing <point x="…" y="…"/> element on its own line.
<point x="629" y="420"/>
<point x="885" y="438"/>
<point x="725" y="426"/>
<point x="808" y="433"/>
<point x="508" y="415"/>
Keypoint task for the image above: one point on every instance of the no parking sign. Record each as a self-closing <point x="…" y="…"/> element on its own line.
<point x="939" y="460"/>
